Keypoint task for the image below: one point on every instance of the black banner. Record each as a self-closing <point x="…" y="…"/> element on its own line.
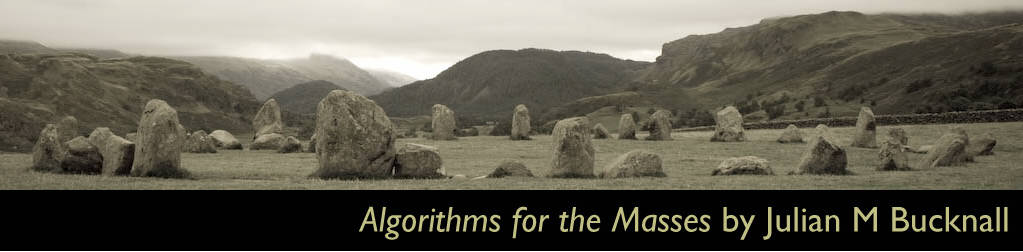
<point x="510" y="220"/>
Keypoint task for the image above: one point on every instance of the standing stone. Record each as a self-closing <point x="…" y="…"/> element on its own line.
<point x="67" y="128"/>
<point x="982" y="146"/>
<point x="354" y="138"/>
<point x="82" y="157"/>
<point x="443" y="123"/>
<point x="899" y="136"/>
<point x="291" y="145"/>
<point x="893" y="156"/>
<point x="822" y="157"/>
<point x="418" y="161"/>
<point x="821" y="130"/>
<point x="636" y="163"/>
<point x="748" y="165"/>
<point x="312" y="144"/>
<point x="573" y="151"/>
<point x="160" y="141"/>
<point x="866" y="130"/>
<point x="510" y="169"/>
<point x="200" y="142"/>
<point x="48" y="151"/>
<point x="949" y="150"/>
<point x="599" y="132"/>
<point x="268" y="119"/>
<point x="272" y="141"/>
<point x="225" y="140"/>
<point x="728" y="126"/>
<point x="520" y="123"/>
<point x="660" y="126"/>
<point x="791" y="134"/>
<point x="118" y="153"/>
<point x="626" y="127"/>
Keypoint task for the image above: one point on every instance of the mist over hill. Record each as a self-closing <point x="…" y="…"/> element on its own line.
<point x="266" y="77"/>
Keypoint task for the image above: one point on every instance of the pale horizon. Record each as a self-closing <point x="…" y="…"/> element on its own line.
<point x="415" y="38"/>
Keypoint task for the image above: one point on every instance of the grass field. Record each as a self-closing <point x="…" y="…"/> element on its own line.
<point x="688" y="162"/>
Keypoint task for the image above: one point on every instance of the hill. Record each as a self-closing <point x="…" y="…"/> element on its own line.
<point x="36" y="89"/>
<point x="837" y="61"/>
<point x="303" y="98"/>
<point x="490" y="84"/>
<point x="266" y="77"/>
<point x="394" y="79"/>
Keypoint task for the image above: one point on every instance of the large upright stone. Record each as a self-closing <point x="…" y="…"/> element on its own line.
<point x="118" y="153"/>
<point x="866" y="130"/>
<point x="627" y="127"/>
<point x="599" y="132"/>
<point x="660" y="126"/>
<point x="418" y="161"/>
<point x="892" y="156"/>
<point x="443" y="123"/>
<point x="949" y="150"/>
<point x="636" y="163"/>
<point x="520" y="123"/>
<point x="791" y="134"/>
<point x="225" y="140"/>
<point x="268" y="119"/>
<point x="67" y="128"/>
<point x="160" y="141"/>
<point x="728" y="126"/>
<point x="82" y="157"/>
<point x="573" y="151"/>
<point x="48" y="151"/>
<point x="354" y="138"/>
<point x="200" y="142"/>
<point x="822" y="157"/>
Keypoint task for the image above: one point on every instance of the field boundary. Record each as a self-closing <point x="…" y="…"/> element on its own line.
<point x="983" y="116"/>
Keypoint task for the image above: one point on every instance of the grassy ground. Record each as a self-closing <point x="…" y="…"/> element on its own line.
<point x="688" y="162"/>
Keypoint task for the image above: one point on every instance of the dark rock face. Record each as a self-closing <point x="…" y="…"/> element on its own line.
<point x="748" y="165"/>
<point x="520" y="123"/>
<point x="511" y="169"/>
<point x="626" y="127"/>
<point x="866" y="129"/>
<point x="291" y="145"/>
<point x="823" y="157"/>
<point x="443" y="123"/>
<point x="573" y="151"/>
<point x="160" y="142"/>
<point x="418" y="161"/>
<point x="118" y="153"/>
<point x="354" y="138"/>
<point x="636" y="163"/>
<point x="728" y="127"/>
<point x="82" y="157"/>
<point x="660" y="126"/>
<point x="200" y="142"/>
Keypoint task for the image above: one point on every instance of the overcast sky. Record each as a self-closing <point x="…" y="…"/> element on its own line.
<point x="416" y="37"/>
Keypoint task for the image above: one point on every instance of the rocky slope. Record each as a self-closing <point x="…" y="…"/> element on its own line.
<point x="36" y="89"/>
<point x="394" y="79"/>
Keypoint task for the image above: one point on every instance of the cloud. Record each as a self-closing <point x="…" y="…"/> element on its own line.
<point x="419" y="38"/>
